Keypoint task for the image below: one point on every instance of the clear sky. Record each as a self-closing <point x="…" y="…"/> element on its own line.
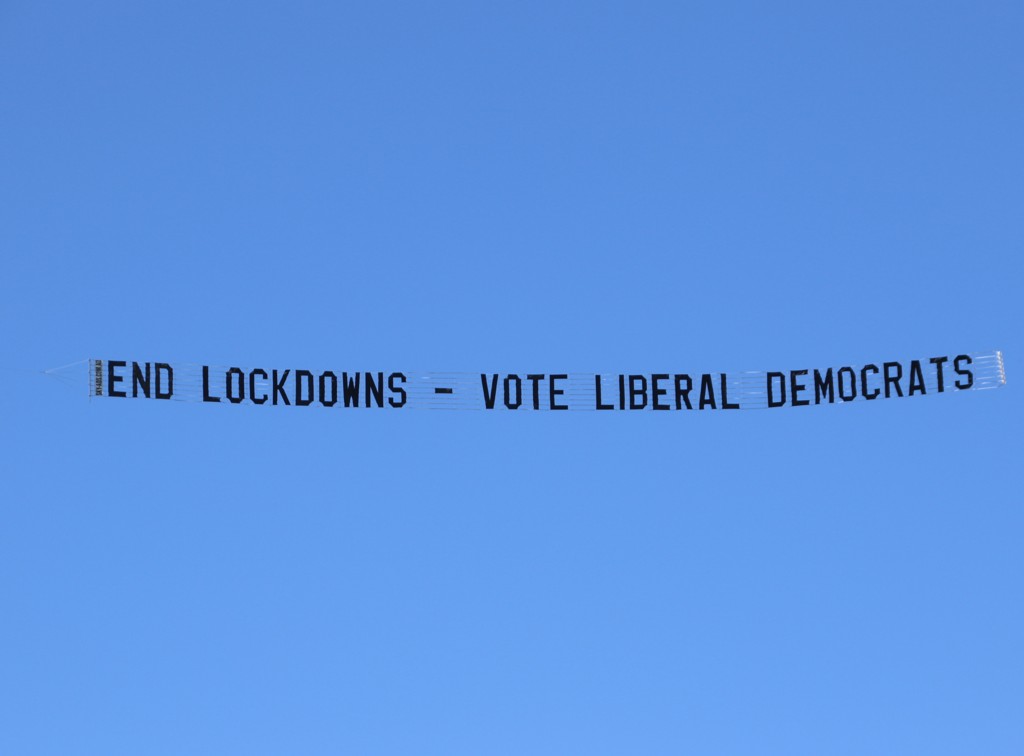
<point x="547" y="187"/>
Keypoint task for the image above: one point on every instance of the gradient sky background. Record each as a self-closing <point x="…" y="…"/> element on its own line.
<point x="528" y="187"/>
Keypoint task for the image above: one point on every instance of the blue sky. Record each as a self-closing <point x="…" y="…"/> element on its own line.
<point x="547" y="187"/>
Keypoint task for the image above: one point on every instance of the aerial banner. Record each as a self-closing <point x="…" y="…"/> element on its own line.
<point x="612" y="392"/>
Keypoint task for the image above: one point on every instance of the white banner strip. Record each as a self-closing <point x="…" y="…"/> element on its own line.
<point x="411" y="389"/>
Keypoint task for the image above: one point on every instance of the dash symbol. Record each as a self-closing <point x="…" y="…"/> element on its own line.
<point x="438" y="390"/>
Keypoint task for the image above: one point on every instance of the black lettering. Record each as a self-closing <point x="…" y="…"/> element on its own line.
<point x="376" y="389"/>
<point x="206" y="386"/>
<point x="622" y="391"/>
<point x="635" y="392"/>
<point x="328" y="388"/>
<point x="489" y="396"/>
<point x="892" y="371"/>
<point x="683" y="394"/>
<point x="963" y="371"/>
<point x="303" y="398"/>
<point x="844" y="382"/>
<point x="140" y="380"/>
<point x="160" y="369"/>
<point x="795" y="389"/>
<point x="823" y="386"/>
<point x="597" y="394"/>
<point x="228" y="387"/>
<point x="938" y="362"/>
<point x="916" y="378"/>
<point x="277" y="383"/>
<point x="772" y="402"/>
<point x="398" y="390"/>
<point x="553" y="391"/>
<point x="657" y="392"/>
<point x="725" y="394"/>
<point x="536" y="379"/>
<point x="262" y="398"/>
<point x="707" y="392"/>
<point x="113" y="380"/>
<point x="864" y="382"/>
<point x="513" y="380"/>
<point x="350" y="389"/>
